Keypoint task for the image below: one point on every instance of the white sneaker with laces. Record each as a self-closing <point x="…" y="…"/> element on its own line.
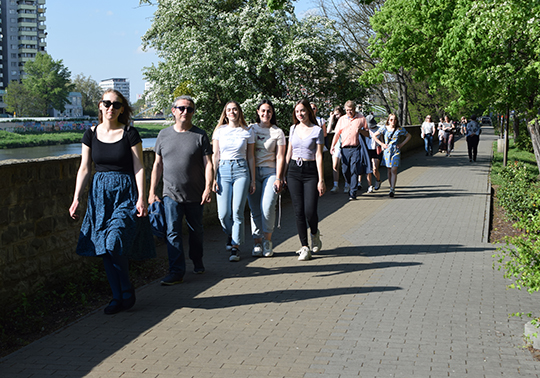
<point x="370" y="189"/>
<point x="334" y="189"/>
<point x="257" y="250"/>
<point x="267" y="248"/>
<point x="305" y="254"/>
<point x="316" y="243"/>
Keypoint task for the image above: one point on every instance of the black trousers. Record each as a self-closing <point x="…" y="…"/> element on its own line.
<point x="302" y="182"/>
<point x="472" y="146"/>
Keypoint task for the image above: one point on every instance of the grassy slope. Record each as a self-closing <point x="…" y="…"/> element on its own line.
<point x="14" y="140"/>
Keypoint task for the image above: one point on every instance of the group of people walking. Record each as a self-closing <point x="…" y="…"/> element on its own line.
<point x="244" y="163"/>
<point x="448" y="131"/>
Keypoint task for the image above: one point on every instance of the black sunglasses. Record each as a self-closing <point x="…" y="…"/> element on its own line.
<point x="189" y="109"/>
<point x="115" y="104"/>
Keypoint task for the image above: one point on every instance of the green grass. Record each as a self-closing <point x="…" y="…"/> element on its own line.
<point x="14" y="140"/>
<point x="514" y="154"/>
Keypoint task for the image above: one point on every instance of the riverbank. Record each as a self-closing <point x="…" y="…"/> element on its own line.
<point x="50" y="138"/>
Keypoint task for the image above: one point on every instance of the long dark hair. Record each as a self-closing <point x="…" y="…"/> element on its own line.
<point x="310" y="113"/>
<point x="125" y="116"/>
<point x="273" y="120"/>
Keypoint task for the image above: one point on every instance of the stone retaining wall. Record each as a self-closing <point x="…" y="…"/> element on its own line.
<point x="37" y="236"/>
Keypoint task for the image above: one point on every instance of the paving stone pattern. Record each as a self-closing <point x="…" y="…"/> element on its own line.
<point x="403" y="287"/>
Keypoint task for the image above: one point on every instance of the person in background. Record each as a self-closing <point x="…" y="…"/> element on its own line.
<point x="305" y="176"/>
<point x="375" y="154"/>
<point x="427" y="131"/>
<point x="270" y="146"/>
<point x="473" y="137"/>
<point x="116" y="225"/>
<point x="336" y="156"/>
<point x="392" y="148"/>
<point x="234" y="170"/>
<point x="320" y="121"/>
<point x="448" y="128"/>
<point x="183" y="157"/>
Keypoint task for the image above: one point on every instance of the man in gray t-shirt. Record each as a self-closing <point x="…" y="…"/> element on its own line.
<point x="183" y="157"/>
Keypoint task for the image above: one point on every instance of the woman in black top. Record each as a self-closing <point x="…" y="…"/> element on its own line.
<point x="116" y="225"/>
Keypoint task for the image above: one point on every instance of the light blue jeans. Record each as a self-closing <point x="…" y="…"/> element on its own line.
<point x="263" y="202"/>
<point x="233" y="180"/>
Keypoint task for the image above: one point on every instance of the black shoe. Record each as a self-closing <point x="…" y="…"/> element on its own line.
<point x="172" y="279"/>
<point x="128" y="302"/>
<point x="199" y="270"/>
<point x="114" y="307"/>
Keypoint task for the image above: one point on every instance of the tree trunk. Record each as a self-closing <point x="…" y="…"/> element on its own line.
<point x="534" y="130"/>
<point x="516" y="126"/>
<point x="506" y="127"/>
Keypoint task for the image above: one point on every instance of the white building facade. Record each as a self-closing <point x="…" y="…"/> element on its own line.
<point x="120" y="84"/>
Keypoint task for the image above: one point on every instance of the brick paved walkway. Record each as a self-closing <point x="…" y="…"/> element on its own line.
<point x="403" y="287"/>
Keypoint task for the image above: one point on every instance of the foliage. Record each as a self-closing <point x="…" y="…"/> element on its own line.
<point x="520" y="257"/>
<point x="47" y="80"/>
<point x="20" y="101"/>
<point x="514" y="154"/>
<point x="239" y="50"/>
<point x="91" y="93"/>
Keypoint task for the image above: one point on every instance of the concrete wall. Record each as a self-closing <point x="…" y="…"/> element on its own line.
<point x="37" y="236"/>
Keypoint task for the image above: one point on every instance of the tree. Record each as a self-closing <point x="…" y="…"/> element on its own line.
<point x="91" y="93"/>
<point x="20" y="101"/>
<point x="239" y="50"/>
<point x="47" y="80"/>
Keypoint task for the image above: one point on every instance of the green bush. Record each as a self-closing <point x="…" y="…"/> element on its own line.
<point x="520" y="256"/>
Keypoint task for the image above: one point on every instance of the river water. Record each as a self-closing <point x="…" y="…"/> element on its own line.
<point x="56" y="150"/>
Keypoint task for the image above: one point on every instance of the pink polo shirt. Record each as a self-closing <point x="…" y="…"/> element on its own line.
<point x="349" y="129"/>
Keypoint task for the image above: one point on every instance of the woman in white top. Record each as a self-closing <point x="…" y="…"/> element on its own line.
<point x="427" y="131"/>
<point x="269" y="161"/>
<point x="234" y="167"/>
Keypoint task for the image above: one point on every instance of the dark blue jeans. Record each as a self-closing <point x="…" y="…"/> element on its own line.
<point x="428" y="143"/>
<point x="350" y="165"/>
<point x="174" y="214"/>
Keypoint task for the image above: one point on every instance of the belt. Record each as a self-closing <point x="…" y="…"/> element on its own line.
<point x="349" y="146"/>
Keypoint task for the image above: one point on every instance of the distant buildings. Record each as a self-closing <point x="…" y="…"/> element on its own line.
<point x="121" y="85"/>
<point x="22" y="36"/>
<point x="73" y="108"/>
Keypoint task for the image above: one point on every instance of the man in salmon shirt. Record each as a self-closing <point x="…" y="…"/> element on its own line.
<point x="349" y="128"/>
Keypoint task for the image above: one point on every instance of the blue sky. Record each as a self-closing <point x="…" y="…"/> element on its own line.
<point x="102" y="38"/>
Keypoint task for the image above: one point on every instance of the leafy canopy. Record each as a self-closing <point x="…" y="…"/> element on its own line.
<point x="239" y="50"/>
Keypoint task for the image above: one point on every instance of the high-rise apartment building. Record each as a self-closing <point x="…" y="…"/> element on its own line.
<point x="23" y="30"/>
<point x="121" y="85"/>
<point x="22" y="36"/>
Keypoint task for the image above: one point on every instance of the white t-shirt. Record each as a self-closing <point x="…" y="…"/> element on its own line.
<point x="266" y="141"/>
<point x="233" y="142"/>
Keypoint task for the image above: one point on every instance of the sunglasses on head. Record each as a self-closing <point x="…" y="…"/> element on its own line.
<point x="181" y="109"/>
<point x="115" y="104"/>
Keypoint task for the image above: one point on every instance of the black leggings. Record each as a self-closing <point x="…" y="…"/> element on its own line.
<point x="302" y="182"/>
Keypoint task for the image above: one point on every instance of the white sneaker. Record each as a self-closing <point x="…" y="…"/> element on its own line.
<point x="257" y="250"/>
<point x="267" y="248"/>
<point x="305" y="254"/>
<point x="370" y="189"/>
<point x="346" y="189"/>
<point x="334" y="189"/>
<point x="377" y="185"/>
<point x="316" y="243"/>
